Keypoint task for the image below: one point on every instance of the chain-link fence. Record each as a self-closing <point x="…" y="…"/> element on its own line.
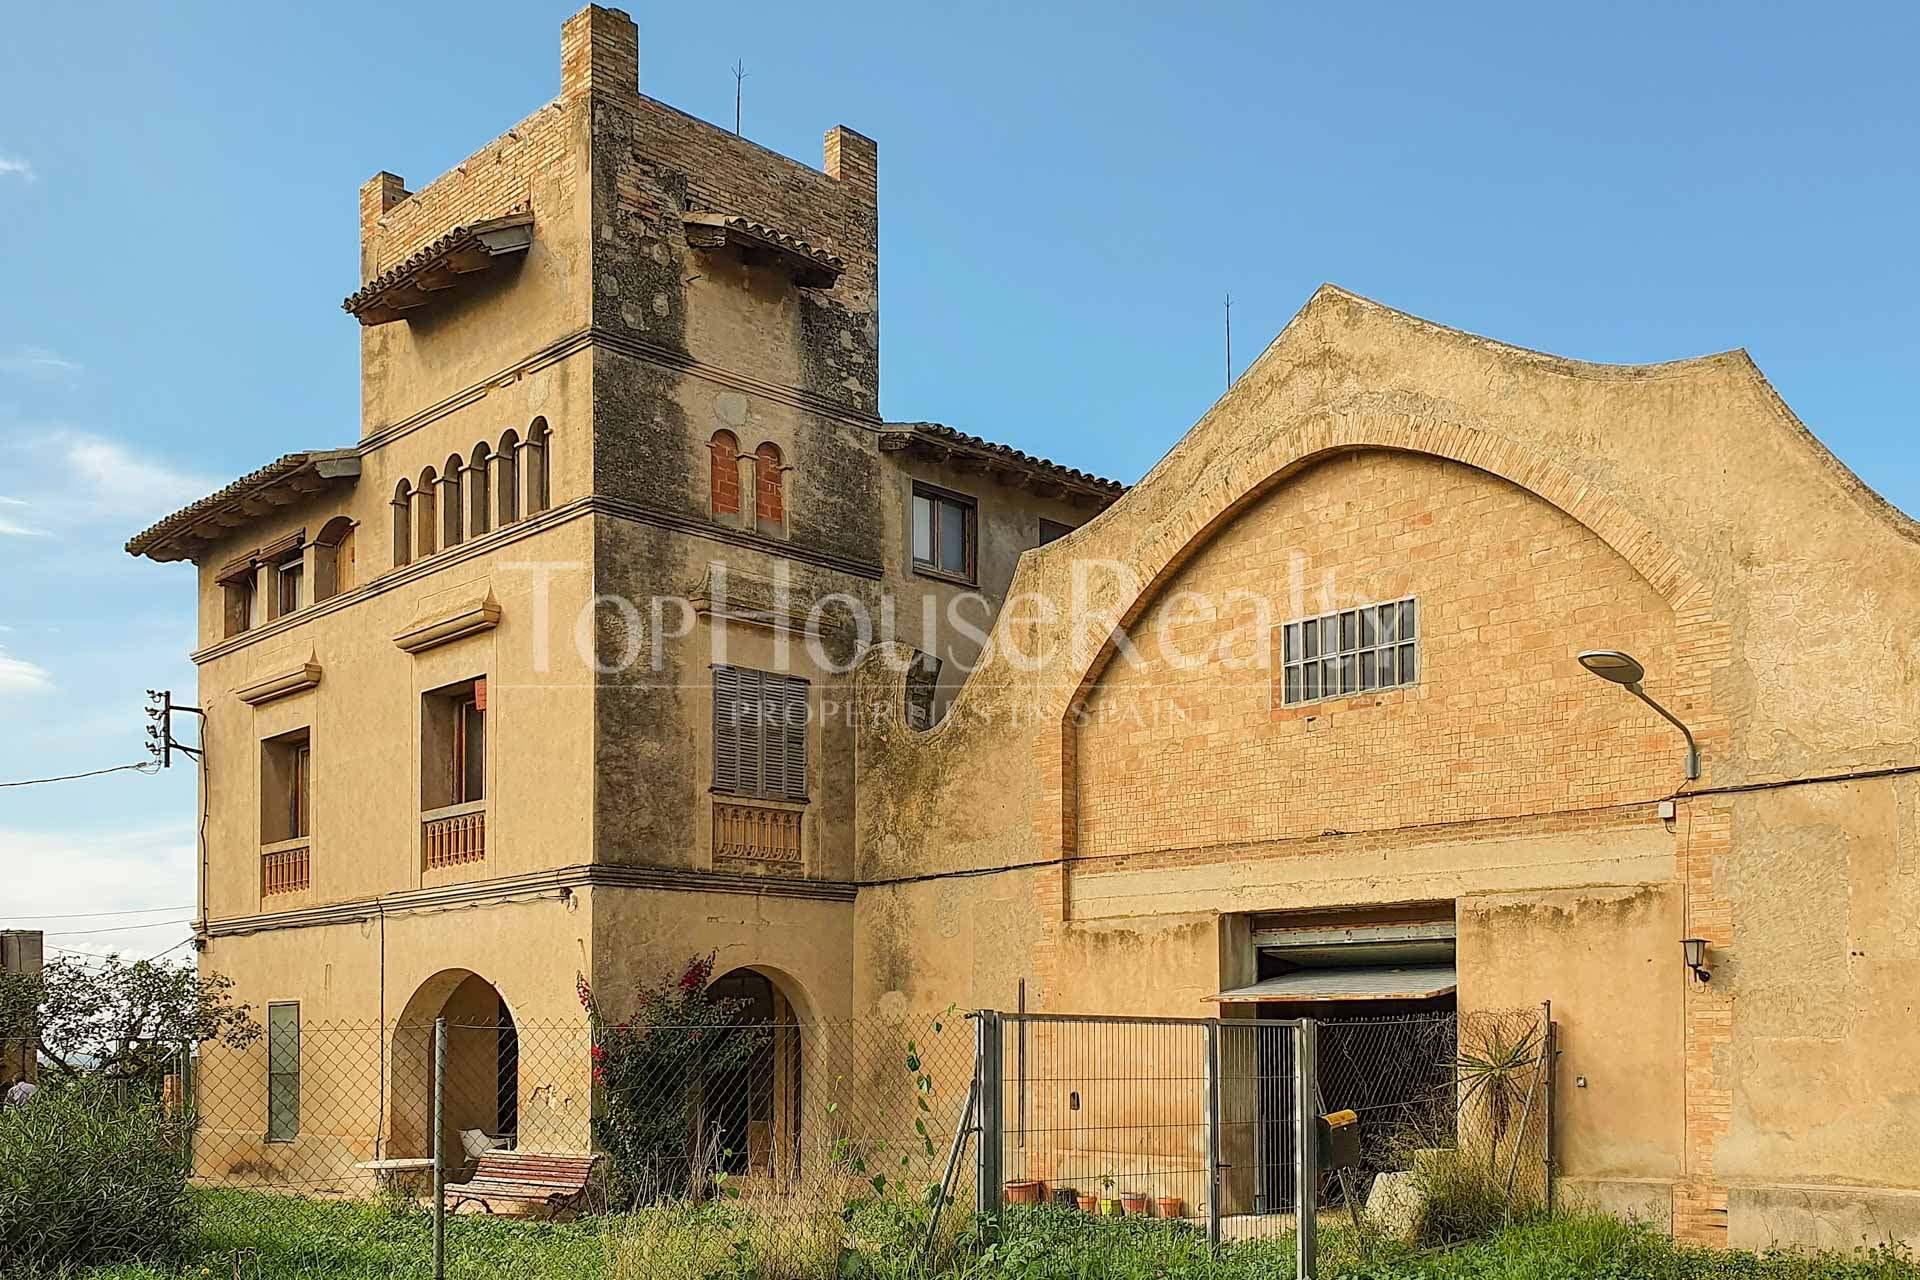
<point x="776" y="1140"/>
<point x="775" y="1147"/>
<point x="1428" y="1127"/>
<point x="1455" y="1117"/>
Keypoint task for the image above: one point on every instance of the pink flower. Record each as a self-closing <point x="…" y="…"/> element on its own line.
<point x="597" y="1054"/>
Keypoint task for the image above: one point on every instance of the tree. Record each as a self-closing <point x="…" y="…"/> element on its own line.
<point x="119" y="1019"/>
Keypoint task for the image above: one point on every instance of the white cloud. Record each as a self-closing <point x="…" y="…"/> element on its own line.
<point x="78" y="478"/>
<point x="39" y="362"/>
<point x="14" y="529"/>
<point x="17" y="675"/>
<point x="53" y="874"/>
<point x="15" y="167"/>
<point x="119" y="482"/>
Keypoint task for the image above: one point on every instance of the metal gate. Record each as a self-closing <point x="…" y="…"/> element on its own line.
<point x="1191" y="1118"/>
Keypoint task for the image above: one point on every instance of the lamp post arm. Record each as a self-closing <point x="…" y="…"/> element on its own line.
<point x="1693" y="748"/>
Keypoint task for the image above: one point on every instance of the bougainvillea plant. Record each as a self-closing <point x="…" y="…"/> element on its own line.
<point x="652" y="1071"/>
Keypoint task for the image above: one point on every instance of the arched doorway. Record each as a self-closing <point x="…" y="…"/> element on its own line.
<point x="481" y="1098"/>
<point x="753" y="1110"/>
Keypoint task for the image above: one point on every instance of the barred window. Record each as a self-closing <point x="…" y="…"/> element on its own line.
<point x="759" y="734"/>
<point x="1352" y="651"/>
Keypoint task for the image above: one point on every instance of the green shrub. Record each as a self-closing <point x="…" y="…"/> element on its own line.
<point x="90" y="1174"/>
<point x="652" y="1069"/>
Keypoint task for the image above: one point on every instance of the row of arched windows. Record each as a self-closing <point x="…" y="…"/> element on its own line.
<point x="748" y="489"/>
<point x="488" y="489"/>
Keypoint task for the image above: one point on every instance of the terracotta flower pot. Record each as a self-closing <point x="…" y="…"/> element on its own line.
<point x="1134" y="1202"/>
<point x="1170" y="1206"/>
<point x="1024" y="1191"/>
<point x="1089" y="1204"/>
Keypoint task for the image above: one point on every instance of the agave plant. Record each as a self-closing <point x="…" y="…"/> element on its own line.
<point x="1494" y="1067"/>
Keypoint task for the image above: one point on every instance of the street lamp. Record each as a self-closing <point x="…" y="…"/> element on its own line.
<point x="1625" y="670"/>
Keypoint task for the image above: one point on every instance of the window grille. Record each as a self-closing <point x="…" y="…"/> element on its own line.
<point x="1351" y="651"/>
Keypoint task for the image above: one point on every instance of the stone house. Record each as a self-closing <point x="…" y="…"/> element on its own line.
<point x="629" y="631"/>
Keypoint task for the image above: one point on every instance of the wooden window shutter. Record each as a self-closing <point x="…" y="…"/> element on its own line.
<point x="793" y="732"/>
<point x="726" y="729"/>
<point x="759" y="733"/>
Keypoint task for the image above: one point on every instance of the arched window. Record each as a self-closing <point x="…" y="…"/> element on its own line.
<point x="538" y="452"/>
<point x="506" y="469"/>
<point x="402" y="524"/>
<point x="424" y="506"/>
<point x="450" y="533"/>
<point x="769" y="491"/>
<point x="723" y="482"/>
<point x="333" y="559"/>
<point x="479" y="512"/>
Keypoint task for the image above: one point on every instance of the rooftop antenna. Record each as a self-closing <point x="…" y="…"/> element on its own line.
<point x="1229" y="341"/>
<point x="739" y="74"/>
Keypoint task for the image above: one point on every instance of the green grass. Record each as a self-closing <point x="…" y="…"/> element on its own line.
<point x="278" y="1238"/>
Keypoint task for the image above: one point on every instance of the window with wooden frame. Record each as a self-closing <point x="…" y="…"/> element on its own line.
<point x="236" y="589"/>
<point x="286" y="787"/>
<point x="287" y="577"/>
<point x="944" y="530"/>
<point x="453" y="747"/>
<point x="333" y="559"/>
<point x="759" y="734"/>
<point x="1053" y="530"/>
<point x="283" y="1071"/>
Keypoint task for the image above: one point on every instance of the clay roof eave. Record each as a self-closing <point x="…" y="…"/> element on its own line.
<point x="811" y="267"/>
<point x="442" y="264"/>
<point x="186" y="533"/>
<point x="936" y="442"/>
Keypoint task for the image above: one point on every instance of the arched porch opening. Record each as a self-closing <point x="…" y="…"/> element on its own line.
<point x="753" y="1111"/>
<point x="481" y="1098"/>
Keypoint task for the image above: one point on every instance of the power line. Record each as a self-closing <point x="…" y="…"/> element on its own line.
<point x="82" y="933"/>
<point x="89" y="915"/>
<point x="145" y="766"/>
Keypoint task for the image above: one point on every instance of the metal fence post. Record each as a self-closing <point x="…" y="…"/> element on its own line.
<point x="439" y="1149"/>
<point x="987" y="1151"/>
<point x="1306" y="1088"/>
<point x="1550" y="1049"/>
<point x="1212" y="1076"/>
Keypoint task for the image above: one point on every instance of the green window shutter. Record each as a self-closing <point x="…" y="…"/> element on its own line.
<point x="283" y="1072"/>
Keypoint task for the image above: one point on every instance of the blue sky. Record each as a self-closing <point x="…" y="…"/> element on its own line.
<point x="1066" y="193"/>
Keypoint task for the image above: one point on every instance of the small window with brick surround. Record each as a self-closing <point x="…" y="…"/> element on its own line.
<point x="1349" y="652"/>
<point x="770" y="490"/>
<point x="723" y="478"/>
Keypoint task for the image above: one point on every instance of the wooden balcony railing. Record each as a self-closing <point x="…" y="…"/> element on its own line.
<point x="285" y="869"/>
<point x="759" y="832"/>
<point x="452" y="836"/>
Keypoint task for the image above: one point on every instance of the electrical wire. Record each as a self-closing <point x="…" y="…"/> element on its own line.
<point x="148" y="767"/>
<point x="90" y="915"/>
<point x="82" y="933"/>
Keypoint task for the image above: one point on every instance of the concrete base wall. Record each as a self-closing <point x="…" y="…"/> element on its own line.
<point x="1822" y="1217"/>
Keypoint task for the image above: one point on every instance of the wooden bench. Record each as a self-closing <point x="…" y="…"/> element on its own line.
<point x="524" y="1178"/>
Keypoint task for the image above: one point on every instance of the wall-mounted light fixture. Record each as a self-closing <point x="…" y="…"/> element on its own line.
<point x="1625" y="670"/>
<point x="1696" y="953"/>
